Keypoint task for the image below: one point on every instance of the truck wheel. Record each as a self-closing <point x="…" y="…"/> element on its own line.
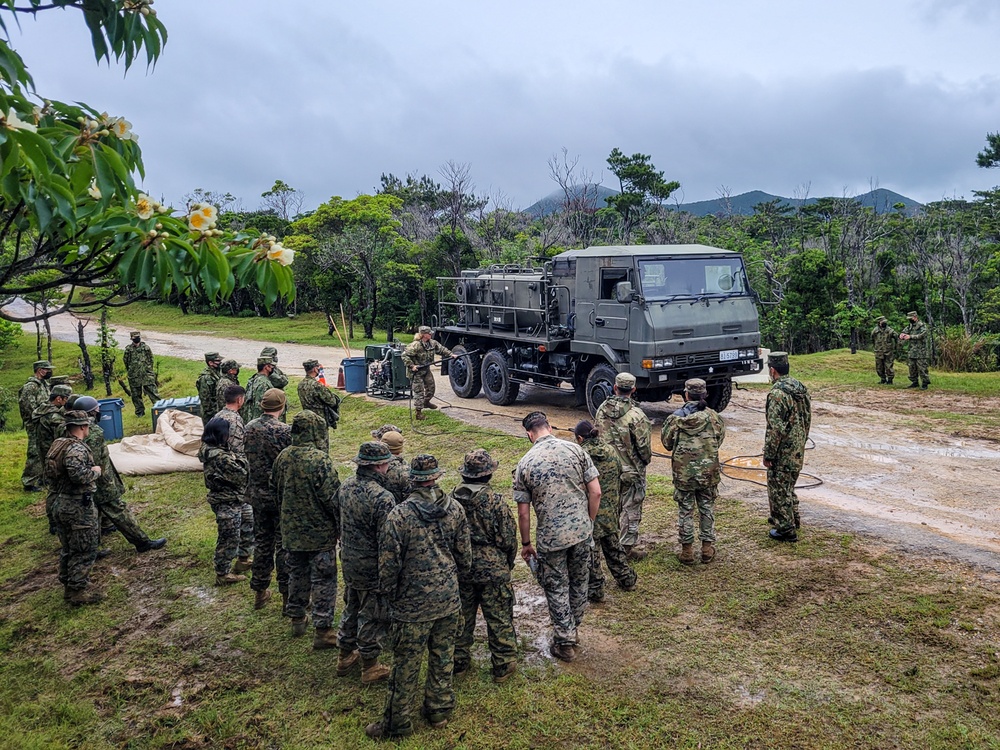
<point x="463" y="373"/>
<point x="719" y="395"/>
<point x="600" y="385"/>
<point x="497" y="385"/>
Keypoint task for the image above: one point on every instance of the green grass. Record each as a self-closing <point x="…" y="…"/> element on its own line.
<point x="824" y="644"/>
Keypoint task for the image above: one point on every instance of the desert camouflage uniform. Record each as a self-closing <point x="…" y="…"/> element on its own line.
<point x="208" y="393"/>
<point x="226" y="480"/>
<point x="552" y="477"/>
<point x="237" y="430"/>
<point x="71" y="480"/>
<point x="789" y="416"/>
<point x="305" y="484"/>
<point x="317" y="398"/>
<point x="33" y="394"/>
<point x="423" y="547"/>
<point x="364" y="506"/>
<point x="493" y="533"/>
<point x="606" y="530"/>
<point x="138" y="360"/>
<point x="884" y="342"/>
<point x="693" y="438"/>
<point x="256" y="387"/>
<point x="422" y="381"/>
<point x="109" y="491"/>
<point x="627" y="429"/>
<point x="397" y="479"/>
<point x="919" y="353"/>
<point x="266" y="437"/>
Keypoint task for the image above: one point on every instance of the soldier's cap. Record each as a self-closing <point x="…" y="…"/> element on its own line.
<point x="379" y="432"/>
<point x="881" y="319"/>
<point x="912" y="314"/>
<point x="229" y="364"/>
<point x="85" y="403"/>
<point x="310" y="364"/>
<point x="264" y="361"/>
<point x="424" y="468"/>
<point x="61" y="390"/>
<point x="213" y="357"/>
<point x="478" y="463"/>
<point x="59" y="380"/>
<point x="75" y="417"/>
<point x="42" y="364"/>
<point x="395" y="442"/>
<point x="625" y="381"/>
<point x="71" y="401"/>
<point x="373" y="453"/>
<point x="274" y="399"/>
<point x="134" y="334"/>
<point x="269" y="351"/>
<point x="777" y="358"/>
<point x="696" y="387"/>
<point x="425" y="329"/>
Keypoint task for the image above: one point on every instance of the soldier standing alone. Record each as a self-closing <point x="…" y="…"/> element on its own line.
<point x="34" y="393"/>
<point x="418" y="357"/>
<point x="884" y="342"/>
<point x="207" y="385"/>
<point x="138" y="359"/>
<point x="918" y="357"/>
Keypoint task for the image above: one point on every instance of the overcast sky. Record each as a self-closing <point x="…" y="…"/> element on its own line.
<point x="783" y="96"/>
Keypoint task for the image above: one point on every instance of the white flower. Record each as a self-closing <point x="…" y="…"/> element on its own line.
<point x="145" y="206"/>
<point x="202" y="217"/>
<point x="95" y="192"/>
<point x="284" y="255"/>
<point x="13" y="122"/>
<point x="122" y="128"/>
<point x="208" y="211"/>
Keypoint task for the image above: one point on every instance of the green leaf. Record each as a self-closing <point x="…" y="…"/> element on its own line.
<point x="104" y="174"/>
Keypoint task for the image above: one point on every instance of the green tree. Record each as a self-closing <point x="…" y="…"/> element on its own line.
<point x="990" y="156"/>
<point x="642" y="189"/>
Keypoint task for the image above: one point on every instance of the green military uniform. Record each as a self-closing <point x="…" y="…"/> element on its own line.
<point x="207" y="385"/>
<point x="225" y="381"/>
<point x="919" y="353"/>
<point x="258" y="384"/>
<point x="138" y="360"/>
<point x="420" y="353"/>
<point x="317" y="398"/>
<point x="423" y="548"/>
<point x="607" y="544"/>
<point x="884" y="342"/>
<point x="305" y="484"/>
<point x="486" y="585"/>
<point x="226" y="480"/>
<point x="789" y="416"/>
<point x="265" y="438"/>
<point x="277" y="377"/>
<point x="34" y="393"/>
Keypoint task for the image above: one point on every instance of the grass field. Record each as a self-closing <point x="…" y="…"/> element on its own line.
<point x="830" y="643"/>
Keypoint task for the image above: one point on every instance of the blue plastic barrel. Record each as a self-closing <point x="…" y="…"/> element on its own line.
<point x="111" y="418"/>
<point x="355" y="374"/>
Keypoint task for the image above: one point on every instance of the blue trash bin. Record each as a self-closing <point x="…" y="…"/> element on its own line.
<point x="111" y="418"/>
<point x="355" y="374"/>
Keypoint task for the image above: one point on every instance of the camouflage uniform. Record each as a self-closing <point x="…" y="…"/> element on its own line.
<point x="364" y="506"/>
<point x="693" y="438"/>
<point x="48" y="422"/>
<point x="624" y="425"/>
<point x="397" y="479"/>
<point x="138" y="360"/>
<point x="207" y="385"/>
<point x="423" y="548"/>
<point x="109" y="491"/>
<point x="266" y="437"/>
<point x="277" y="377"/>
<point x="256" y="386"/>
<point x="226" y="479"/>
<point x="552" y="478"/>
<point x="225" y="381"/>
<point x="486" y="585"/>
<point x="789" y="416"/>
<point x="918" y="356"/>
<point x="237" y="429"/>
<point x="305" y="484"/>
<point x="884" y="342"/>
<point x="606" y="530"/>
<point x="420" y="353"/>
<point x="317" y="398"/>
<point x="33" y="394"/>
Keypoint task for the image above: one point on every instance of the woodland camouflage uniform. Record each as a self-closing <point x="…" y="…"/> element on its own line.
<point x="138" y="360"/>
<point x="317" y="398"/>
<point x="207" y="385"/>
<point x="226" y="479"/>
<point x="789" y="416"/>
<point x="266" y="437"/>
<point x="421" y="353"/>
<point x="258" y="384"/>
<point x="919" y="352"/>
<point x="225" y="381"/>
<point x="884" y="342"/>
<point x="237" y="429"/>
<point x="277" y="377"/>
<point x="34" y="393"/>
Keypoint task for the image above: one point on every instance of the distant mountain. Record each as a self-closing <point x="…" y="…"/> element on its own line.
<point x="880" y="199"/>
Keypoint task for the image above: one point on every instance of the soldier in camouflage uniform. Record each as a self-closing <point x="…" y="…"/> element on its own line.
<point x="486" y="586"/>
<point x="71" y="475"/>
<point x="265" y="438"/>
<point x="316" y="397"/>
<point x="884" y="342"/>
<point x="606" y="532"/>
<point x="919" y="354"/>
<point x="423" y="548"/>
<point x="138" y="360"/>
<point x="276" y="376"/>
<point x="232" y="400"/>
<point x="34" y="393"/>
<point x="47" y="424"/>
<point x="624" y="425"/>
<point x="418" y="357"/>
<point x="226" y="480"/>
<point x="229" y="377"/>
<point x="364" y="506"/>
<point x="255" y="388"/>
<point x="789" y="416"/>
<point x="207" y="385"/>
<point x="693" y="435"/>
<point x="558" y="479"/>
<point x="397" y="475"/>
<point x="305" y="484"/>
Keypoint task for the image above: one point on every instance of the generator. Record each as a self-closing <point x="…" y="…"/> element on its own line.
<point x="386" y="371"/>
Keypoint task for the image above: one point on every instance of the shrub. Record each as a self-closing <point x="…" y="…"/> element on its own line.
<point x="960" y="352"/>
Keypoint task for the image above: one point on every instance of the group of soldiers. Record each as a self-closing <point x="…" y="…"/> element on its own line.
<point x="886" y="343"/>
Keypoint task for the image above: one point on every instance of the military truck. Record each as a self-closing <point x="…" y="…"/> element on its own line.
<point x="664" y="313"/>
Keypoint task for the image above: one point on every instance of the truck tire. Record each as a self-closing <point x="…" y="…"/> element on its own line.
<point x="719" y="395"/>
<point x="496" y="382"/>
<point x="464" y="373"/>
<point x="600" y="386"/>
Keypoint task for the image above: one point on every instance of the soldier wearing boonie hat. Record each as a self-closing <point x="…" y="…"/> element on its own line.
<point x="380" y="431"/>
<point x="138" y="360"/>
<point x="884" y="343"/>
<point x="418" y="357"/>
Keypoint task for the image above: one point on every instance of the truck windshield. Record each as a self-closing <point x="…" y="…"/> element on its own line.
<point x="663" y="279"/>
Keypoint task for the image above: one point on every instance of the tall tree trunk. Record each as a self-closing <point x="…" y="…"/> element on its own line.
<point x="48" y="338"/>
<point x="88" y="373"/>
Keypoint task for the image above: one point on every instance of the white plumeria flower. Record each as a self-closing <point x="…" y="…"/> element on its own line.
<point x="13" y="122"/>
<point x="145" y="206"/>
<point x="95" y="192"/>
<point x="284" y="255"/>
<point x="122" y="128"/>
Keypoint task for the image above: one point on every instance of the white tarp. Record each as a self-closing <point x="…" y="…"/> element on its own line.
<point x="173" y="447"/>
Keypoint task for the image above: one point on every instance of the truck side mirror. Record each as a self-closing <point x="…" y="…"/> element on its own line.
<point x="624" y="291"/>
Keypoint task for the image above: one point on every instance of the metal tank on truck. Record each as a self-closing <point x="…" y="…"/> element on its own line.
<point x="665" y="313"/>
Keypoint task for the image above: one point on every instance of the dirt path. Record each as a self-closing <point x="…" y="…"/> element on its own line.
<point x="917" y="488"/>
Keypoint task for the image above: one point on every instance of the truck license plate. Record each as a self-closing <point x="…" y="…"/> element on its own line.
<point x="728" y="355"/>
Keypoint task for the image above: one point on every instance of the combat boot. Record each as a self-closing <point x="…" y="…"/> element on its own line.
<point x="324" y="638"/>
<point x="372" y="671"/>
<point x="261" y="598"/>
<point x="563" y="651"/>
<point x="707" y="552"/>
<point x="346" y="662"/>
<point x="913" y="385"/>
<point x="151" y="544"/>
<point x="299" y="626"/>
<point x="429" y="405"/>
<point x="228" y="579"/>
<point x="633" y="553"/>
<point x="687" y="554"/>
<point x="504" y="673"/>
<point x="87" y="595"/>
<point x="419" y="414"/>
<point x="242" y="565"/>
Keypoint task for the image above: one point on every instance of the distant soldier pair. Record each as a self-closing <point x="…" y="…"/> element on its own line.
<point x="885" y="342"/>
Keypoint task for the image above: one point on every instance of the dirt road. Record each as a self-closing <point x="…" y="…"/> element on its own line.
<point x="916" y="488"/>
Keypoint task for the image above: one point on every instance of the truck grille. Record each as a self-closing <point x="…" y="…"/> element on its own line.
<point x="684" y="360"/>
